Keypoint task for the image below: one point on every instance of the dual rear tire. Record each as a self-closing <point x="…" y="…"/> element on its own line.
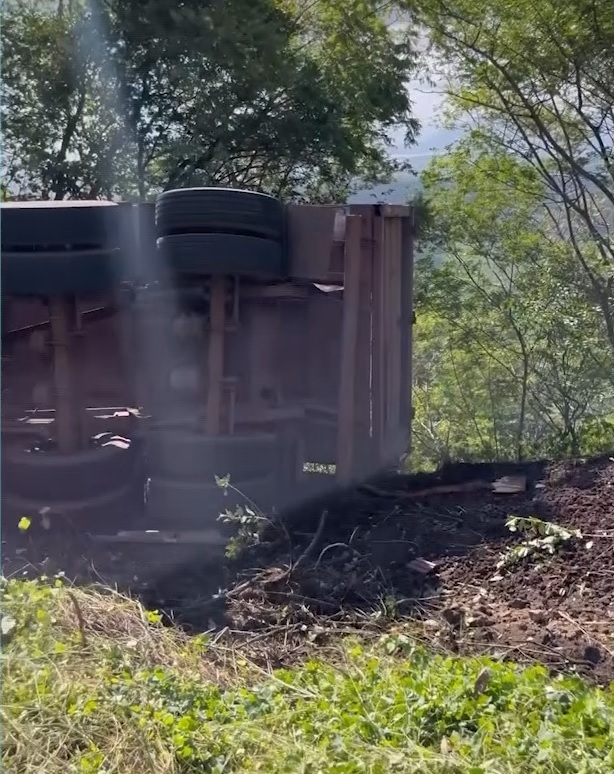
<point x="93" y="487"/>
<point x="194" y="478"/>
<point x="208" y="231"/>
<point x="77" y="247"/>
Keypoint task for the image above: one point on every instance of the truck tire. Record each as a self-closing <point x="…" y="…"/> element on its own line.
<point x="50" y="477"/>
<point x="206" y="254"/>
<point x="55" y="224"/>
<point x="180" y="505"/>
<point x="222" y="211"/>
<point x="61" y="272"/>
<point x="103" y="514"/>
<point x="188" y="455"/>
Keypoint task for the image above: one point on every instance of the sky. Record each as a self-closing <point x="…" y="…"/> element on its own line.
<point x="427" y="102"/>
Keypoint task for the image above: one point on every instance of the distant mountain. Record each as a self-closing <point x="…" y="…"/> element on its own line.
<point x="433" y="141"/>
<point x="401" y="190"/>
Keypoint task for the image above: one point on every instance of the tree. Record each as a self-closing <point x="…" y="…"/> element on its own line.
<point x="510" y="358"/>
<point x="514" y="342"/>
<point x="128" y="97"/>
<point x="536" y="81"/>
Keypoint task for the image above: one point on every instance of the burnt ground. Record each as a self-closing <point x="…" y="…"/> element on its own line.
<point x="348" y="571"/>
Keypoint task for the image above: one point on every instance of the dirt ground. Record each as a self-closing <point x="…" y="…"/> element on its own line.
<point x="350" y="571"/>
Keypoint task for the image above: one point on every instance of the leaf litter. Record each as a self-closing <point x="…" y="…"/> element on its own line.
<point x="526" y="575"/>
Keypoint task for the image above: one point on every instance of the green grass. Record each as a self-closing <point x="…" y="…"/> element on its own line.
<point x="91" y="682"/>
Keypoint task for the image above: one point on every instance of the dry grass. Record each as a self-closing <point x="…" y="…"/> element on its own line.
<point x="66" y="645"/>
<point x="92" y="682"/>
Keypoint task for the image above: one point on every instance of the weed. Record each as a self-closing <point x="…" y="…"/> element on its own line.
<point x="129" y="695"/>
<point x="541" y="539"/>
<point x="247" y="520"/>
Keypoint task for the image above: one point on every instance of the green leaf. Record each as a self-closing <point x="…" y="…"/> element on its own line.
<point x="273" y="95"/>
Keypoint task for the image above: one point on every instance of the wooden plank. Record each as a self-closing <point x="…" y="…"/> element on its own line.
<point x="510" y="485"/>
<point x="400" y="439"/>
<point x="284" y="290"/>
<point x="385" y="340"/>
<point x="395" y="210"/>
<point x="407" y="312"/>
<point x="364" y="446"/>
<point x="393" y="306"/>
<point x="68" y="414"/>
<point x="422" y="566"/>
<point x="335" y="272"/>
<point x="388" y="342"/>
<point x="311" y="230"/>
<point x="113" y="410"/>
<point x="349" y="338"/>
<point x="216" y="355"/>
<point x="379" y="339"/>
<point x="99" y="313"/>
<point x="388" y="348"/>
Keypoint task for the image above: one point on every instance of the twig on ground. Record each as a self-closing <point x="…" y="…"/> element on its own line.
<point x="469" y="486"/>
<point x="301" y="598"/>
<point x="286" y="574"/>
<point x="328" y="548"/>
<point x="314" y="542"/>
<point x="79" y="614"/>
<point x="219" y="635"/>
<point x="585" y="632"/>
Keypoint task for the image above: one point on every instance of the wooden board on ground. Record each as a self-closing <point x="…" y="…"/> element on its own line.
<point x="510" y="485"/>
<point x="193" y="537"/>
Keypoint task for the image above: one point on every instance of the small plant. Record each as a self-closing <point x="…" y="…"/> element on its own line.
<point x="248" y="521"/>
<point x="141" y="698"/>
<point x="541" y="538"/>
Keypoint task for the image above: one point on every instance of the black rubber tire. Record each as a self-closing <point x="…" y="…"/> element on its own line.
<point x="104" y="514"/>
<point x="180" y="505"/>
<point x="206" y="254"/>
<point x="50" y="477"/>
<point x="53" y="273"/>
<point x="220" y="210"/>
<point x="54" y="227"/>
<point x="188" y="455"/>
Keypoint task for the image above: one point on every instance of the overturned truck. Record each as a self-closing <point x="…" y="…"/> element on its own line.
<point x="165" y="361"/>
